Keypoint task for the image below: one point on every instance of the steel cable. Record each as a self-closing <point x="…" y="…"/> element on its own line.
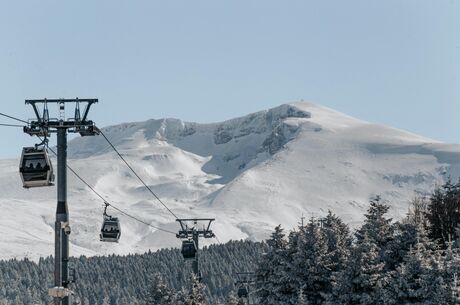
<point x="106" y="202"/>
<point x="13" y="118"/>
<point x="10" y="125"/>
<point x="138" y="177"/>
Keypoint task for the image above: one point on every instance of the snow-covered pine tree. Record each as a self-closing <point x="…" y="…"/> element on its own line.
<point x="407" y="234"/>
<point x="290" y="268"/>
<point x="301" y="298"/>
<point x="270" y="287"/>
<point x="439" y="290"/>
<point x="405" y="238"/>
<point x="418" y="209"/>
<point x="444" y="213"/>
<point x="181" y="297"/>
<point x="363" y="278"/>
<point x="408" y="286"/>
<point x="159" y="293"/>
<point x="338" y="241"/>
<point x="232" y="299"/>
<point x="196" y="294"/>
<point x="421" y="278"/>
<point x="311" y="265"/>
<point x="378" y="229"/>
<point x="456" y="289"/>
<point x="449" y="263"/>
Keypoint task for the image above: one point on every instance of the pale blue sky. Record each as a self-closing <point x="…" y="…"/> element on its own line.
<point x="395" y="62"/>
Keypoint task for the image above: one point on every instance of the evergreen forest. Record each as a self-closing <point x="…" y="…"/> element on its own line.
<point x="322" y="261"/>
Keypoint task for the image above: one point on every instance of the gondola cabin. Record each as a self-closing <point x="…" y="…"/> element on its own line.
<point x="110" y="231"/>
<point x="188" y="249"/>
<point x="35" y="167"/>
<point x="242" y="292"/>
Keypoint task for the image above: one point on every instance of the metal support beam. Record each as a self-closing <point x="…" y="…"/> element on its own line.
<point x="196" y="269"/>
<point x="57" y="258"/>
<point x="63" y="100"/>
<point x="62" y="211"/>
<point x="42" y="127"/>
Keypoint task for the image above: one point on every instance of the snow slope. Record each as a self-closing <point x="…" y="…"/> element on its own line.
<point x="250" y="173"/>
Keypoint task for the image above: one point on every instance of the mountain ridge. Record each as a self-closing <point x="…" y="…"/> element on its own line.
<point x="250" y="173"/>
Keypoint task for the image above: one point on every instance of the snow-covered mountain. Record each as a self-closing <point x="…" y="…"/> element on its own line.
<point x="250" y="173"/>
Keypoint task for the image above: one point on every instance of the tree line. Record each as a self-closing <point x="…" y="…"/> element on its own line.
<point x="321" y="262"/>
<point x="414" y="261"/>
<point x="127" y="280"/>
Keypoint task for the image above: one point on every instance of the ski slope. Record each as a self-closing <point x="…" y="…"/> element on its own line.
<point x="250" y="173"/>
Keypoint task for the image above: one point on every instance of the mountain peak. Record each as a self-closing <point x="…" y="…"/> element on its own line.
<point x="250" y="173"/>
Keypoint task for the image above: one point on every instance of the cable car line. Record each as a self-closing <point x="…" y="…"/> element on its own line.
<point x="141" y="221"/>
<point x="13" y="118"/>
<point x="93" y="190"/>
<point x="215" y="236"/>
<point x="11" y="125"/>
<point x="36" y="171"/>
<point x="107" y="203"/>
<point x="134" y="172"/>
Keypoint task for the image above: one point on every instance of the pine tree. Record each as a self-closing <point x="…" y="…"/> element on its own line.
<point x="301" y="298"/>
<point x="181" y="297"/>
<point x="439" y="290"/>
<point x="408" y="285"/>
<point x="455" y="288"/>
<point x="270" y="288"/>
<point x="449" y="264"/>
<point x="196" y="294"/>
<point x="338" y="240"/>
<point x="450" y="261"/>
<point x="232" y="299"/>
<point x="365" y="275"/>
<point x="160" y="293"/>
<point x="311" y="265"/>
<point x="289" y="269"/>
<point x="379" y="229"/>
<point x="418" y="209"/>
<point x="363" y="278"/>
<point x="405" y="233"/>
<point x="444" y="213"/>
<point x="421" y="278"/>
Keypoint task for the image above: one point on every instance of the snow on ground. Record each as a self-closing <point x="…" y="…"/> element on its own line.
<point x="250" y="173"/>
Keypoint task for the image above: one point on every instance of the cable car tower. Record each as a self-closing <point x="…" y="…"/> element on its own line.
<point x="190" y="236"/>
<point x="43" y="126"/>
